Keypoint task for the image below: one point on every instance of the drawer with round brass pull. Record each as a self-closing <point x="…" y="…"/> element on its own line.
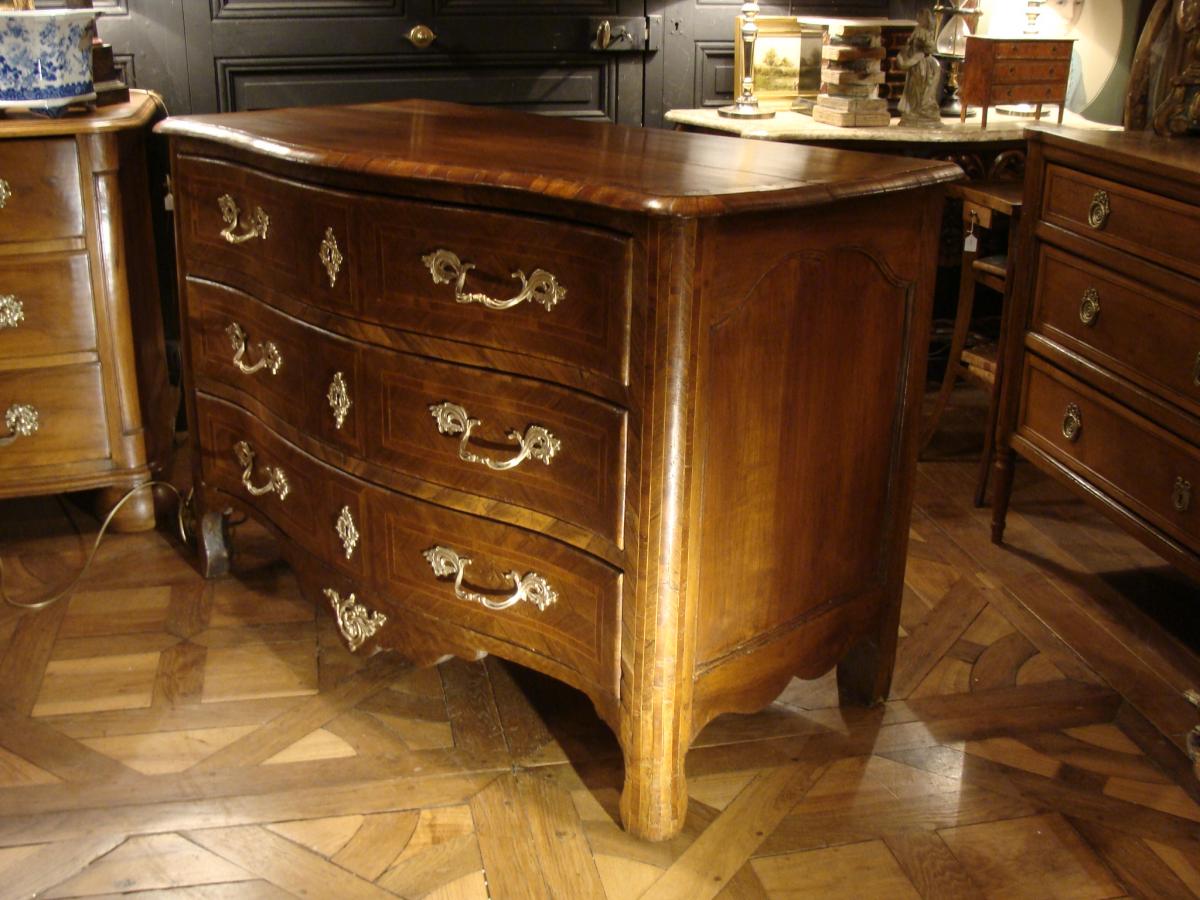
<point x="1155" y="227"/>
<point x="1106" y="436"/>
<point x="40" y="197"/>
<point x="46" y="305"/>
<point x="1144" y="334"/>
<point x="51" y="417"/>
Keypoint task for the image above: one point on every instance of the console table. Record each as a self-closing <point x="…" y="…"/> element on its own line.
<point x="634" y="408"/>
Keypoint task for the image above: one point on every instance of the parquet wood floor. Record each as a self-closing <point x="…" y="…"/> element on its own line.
<point x="163" y="737"/>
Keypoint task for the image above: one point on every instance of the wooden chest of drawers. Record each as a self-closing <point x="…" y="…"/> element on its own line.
<point x="1015" y="70"/>
<point x="84" y="398"/>
<point x="632" y="408"/>
<point x="1107" y="393"/>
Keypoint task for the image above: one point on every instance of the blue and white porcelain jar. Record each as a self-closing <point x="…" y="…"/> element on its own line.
<point x="46" y="58"/>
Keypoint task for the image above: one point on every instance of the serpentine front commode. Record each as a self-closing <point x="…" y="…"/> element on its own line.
<point x="579" y="396"/>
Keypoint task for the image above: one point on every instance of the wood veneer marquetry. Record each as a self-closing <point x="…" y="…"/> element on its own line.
<point x="685" y="519"/>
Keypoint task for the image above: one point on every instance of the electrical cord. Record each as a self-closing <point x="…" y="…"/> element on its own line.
<point x="184" y="504"/>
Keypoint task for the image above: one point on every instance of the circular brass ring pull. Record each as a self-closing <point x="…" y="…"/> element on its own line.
<point x="1098" y="210"/>
<point x="421" y="36"/>
<point x="1072" y="423"/>
<point x="12" y="311"/>
<point x="1089" y="307"/>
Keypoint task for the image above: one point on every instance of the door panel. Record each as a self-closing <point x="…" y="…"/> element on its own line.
<point x="523" y="54"/>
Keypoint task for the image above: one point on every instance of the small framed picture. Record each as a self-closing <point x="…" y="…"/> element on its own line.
<point x="787" y="60"/>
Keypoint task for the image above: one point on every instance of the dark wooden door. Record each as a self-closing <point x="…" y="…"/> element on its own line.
<point x="523" y="54"/>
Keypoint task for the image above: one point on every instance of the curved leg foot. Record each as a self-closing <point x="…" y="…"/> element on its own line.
<point x="1001" y="493"/>
<point x="136" y="514"/>
<point x="212" y="545"/>
<point x="654" y="799"/>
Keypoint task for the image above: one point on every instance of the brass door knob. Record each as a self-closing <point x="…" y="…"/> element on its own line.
<point x="421" y="36"/>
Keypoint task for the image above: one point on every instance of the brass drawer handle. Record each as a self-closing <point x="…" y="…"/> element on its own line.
<point x="344" y="526"/>
<point x="354" y="621"/>
<point x="1089" y="307"/>
<point x="12" y="312"/>
<point x="541" y="287"/>
<point x="530" y="587"/>
<point x="331" y="256"/>
<point x="1072" y="423"/>
<point x="536" y="443"/>
<point x="1098" y="210"/>
<point x="277" y="482"/>
<point x="6" y="193"/>
<point x="258" y="225"/>
<point x="421" y="36"/>
<point x="269" y="357"/>
<point x="21" y="420"/>
<point x="1181" y="495"/>
<point x="338" y="396"/>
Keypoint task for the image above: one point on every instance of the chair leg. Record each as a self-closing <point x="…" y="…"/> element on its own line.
<point x="989" y="444"/>
<point x="962" y="325"/>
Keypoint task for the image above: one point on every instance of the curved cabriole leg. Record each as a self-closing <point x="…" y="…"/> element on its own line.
<point x="864" y="674"/>
<point x="212" y="545"/>
<point x="1001" y="492"/>
<point x="136" y="513"/>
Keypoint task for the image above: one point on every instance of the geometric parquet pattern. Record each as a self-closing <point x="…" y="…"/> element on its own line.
<point x="166" y="737"/>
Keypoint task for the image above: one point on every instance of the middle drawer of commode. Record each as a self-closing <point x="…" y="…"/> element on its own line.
<point x="408" y="413"/>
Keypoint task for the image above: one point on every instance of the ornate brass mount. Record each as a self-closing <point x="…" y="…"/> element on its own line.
<point x="12" y="313"/>
<point x="536" y="443"/>
<point x="1181" y="495"/>
<point x="269" y="357"/>
<point x="1099" y="210"/>
<point x="1072" y="423"/>
<point x="346" y="531"/>
<point x="339" y="399"/>
<point x="331" y="256"/>
<point x="258" y="225"/>
<point x="541" y="287"/>
<point x="5" y="193"/>
<point x="21" y="420"/>
<point x="1089" y="307"/>
<point x="530" y="587"/>
<point x="277" y="482"/>
<point x="354" y="621"/>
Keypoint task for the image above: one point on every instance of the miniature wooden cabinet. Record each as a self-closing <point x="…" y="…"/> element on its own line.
<point x="634" y="408"/>
<point x="84" y="398"/>
<point x="1014" y="70"/>
<point x="1105" y="352"/>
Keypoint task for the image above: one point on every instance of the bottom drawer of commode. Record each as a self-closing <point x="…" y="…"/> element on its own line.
<point x="49" y="417"/>
<point x="1142" y="466"/>
<point x="566" y="603"/>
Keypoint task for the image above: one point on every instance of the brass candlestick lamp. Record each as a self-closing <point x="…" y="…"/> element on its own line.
<point x="746" y="105"/>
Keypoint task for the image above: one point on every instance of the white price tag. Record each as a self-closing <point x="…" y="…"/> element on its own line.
<point x="970" y="243"/>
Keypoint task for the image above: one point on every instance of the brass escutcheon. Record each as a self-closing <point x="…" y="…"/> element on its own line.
<point x="331" y="256"/>
<point x="344" y="526"/>
<point x="1181" y="494"/>
<point x="339" y="399"/>
<point x="1072" y="423"/>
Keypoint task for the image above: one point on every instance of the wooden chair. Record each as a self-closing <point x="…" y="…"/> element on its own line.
<point x="985" y="205"/>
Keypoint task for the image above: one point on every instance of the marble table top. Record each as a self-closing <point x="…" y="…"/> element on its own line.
<point x="790" y="126"/>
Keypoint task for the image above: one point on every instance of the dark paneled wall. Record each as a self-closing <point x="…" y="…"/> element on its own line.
<point x="208" y="55"/>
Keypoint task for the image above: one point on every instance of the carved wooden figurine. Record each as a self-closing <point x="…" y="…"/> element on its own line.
<point x="919" y="104"/>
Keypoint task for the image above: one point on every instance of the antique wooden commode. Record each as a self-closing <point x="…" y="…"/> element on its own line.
<point x="633" y="408"/>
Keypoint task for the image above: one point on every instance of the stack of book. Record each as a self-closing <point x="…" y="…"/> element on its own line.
<point x="851" y="73"/>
